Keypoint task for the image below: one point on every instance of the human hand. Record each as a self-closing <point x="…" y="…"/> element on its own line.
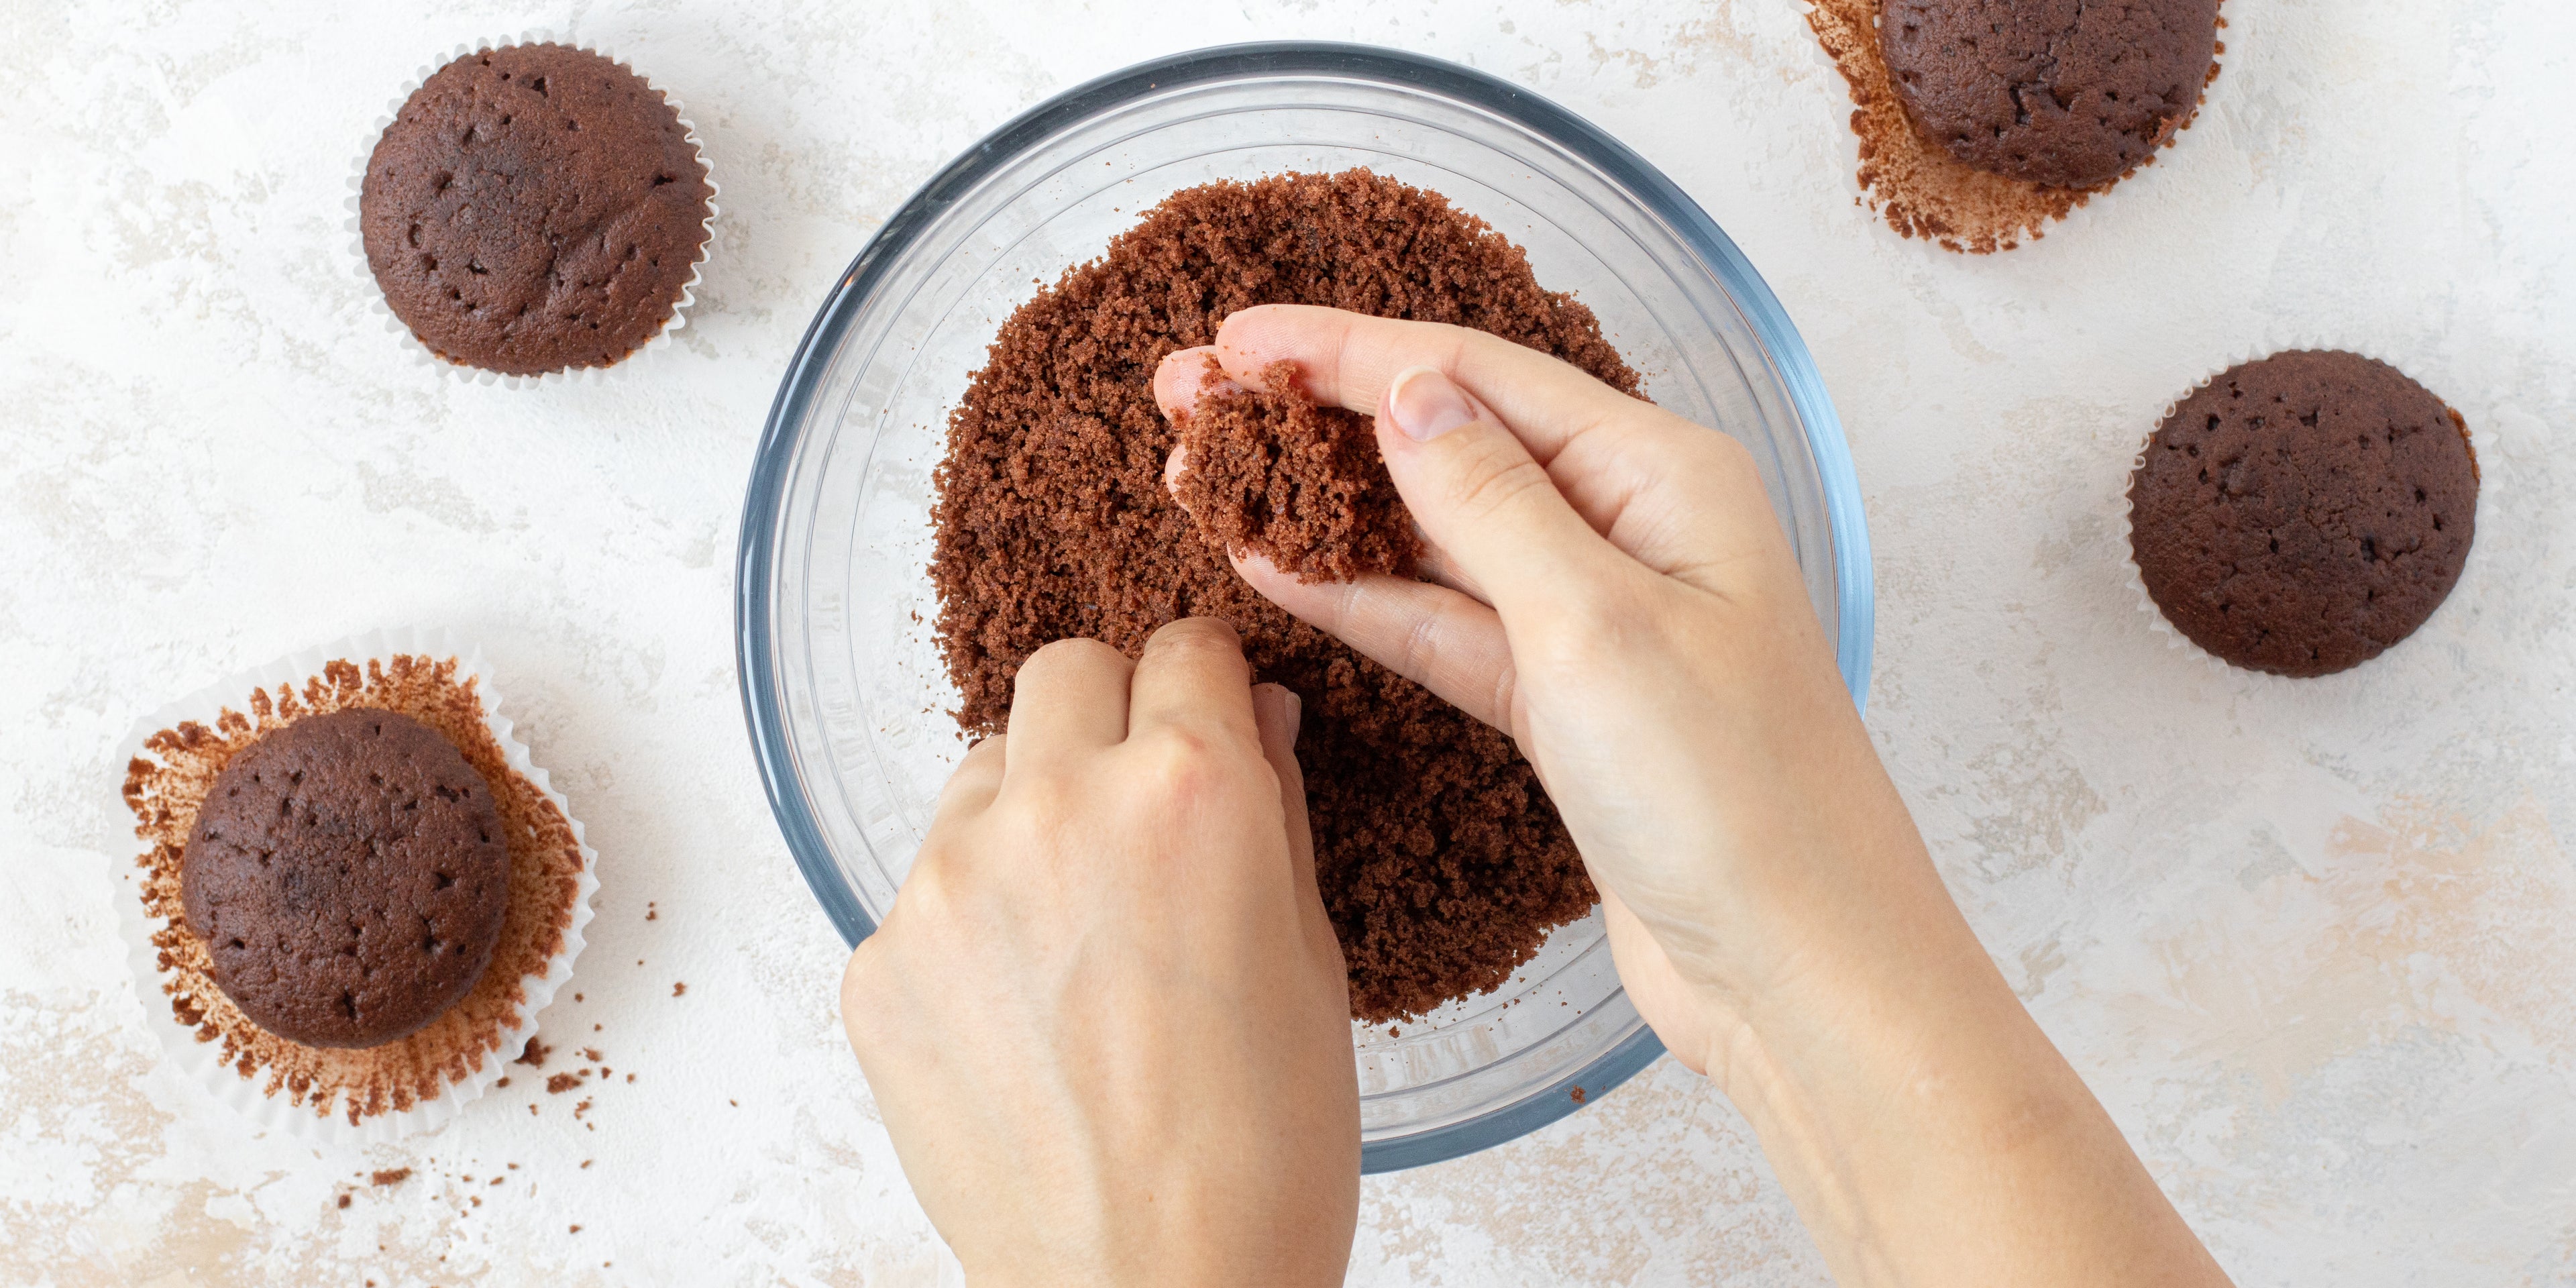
<point x="1107" y="1021"/>
<point x="1608" y="585"/>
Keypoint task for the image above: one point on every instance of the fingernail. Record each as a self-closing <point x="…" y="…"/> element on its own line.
<point x="1173" y="465"/>
<point x="1426" y="404"/>
<point x="1295" y="706"/>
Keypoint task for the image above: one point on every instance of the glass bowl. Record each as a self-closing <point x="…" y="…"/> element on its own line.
<point x="848" y="705"/>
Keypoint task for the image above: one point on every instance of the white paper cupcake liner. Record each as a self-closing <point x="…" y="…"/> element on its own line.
<point x="2118" y="519"/>
<point x="202" y="1060"/>
<point x="425" y="356"/>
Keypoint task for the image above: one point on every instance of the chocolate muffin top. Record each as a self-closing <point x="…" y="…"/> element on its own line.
<point x="533" y="208"/>
<point x="2301" y="513"/>
<point x="348" y="874"/>
<point x="2062" y="93"/>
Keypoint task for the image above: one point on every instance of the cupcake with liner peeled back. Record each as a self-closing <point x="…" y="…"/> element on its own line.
<point x="402" y="830"/>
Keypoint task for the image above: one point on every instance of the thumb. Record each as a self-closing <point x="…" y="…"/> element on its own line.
<point x="1478" y="494"/>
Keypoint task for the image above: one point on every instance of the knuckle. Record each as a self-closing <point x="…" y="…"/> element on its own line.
<point x="1493" y="481"/>
<point x="1181" y="766"/>
<point x="1068" y="653"/>
<point x="1420" y="651"/>
<point x="1211" y="634"/>
<point x="1044" y="803"/>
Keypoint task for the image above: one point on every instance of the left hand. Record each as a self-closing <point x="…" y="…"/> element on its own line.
<point x="1107" y="1021"/>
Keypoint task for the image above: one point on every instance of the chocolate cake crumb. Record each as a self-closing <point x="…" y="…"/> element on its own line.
<point x="561" y="1083"/>
<point x="390" y="1176"/>
<point x="1441" y="861"/>
<point x="678" y="990"/>
<point x="534" y="1054"/>
<point x="344" y="1200"/>
<point x="1578" y="1095"/>
<point x="1268" y="472"/>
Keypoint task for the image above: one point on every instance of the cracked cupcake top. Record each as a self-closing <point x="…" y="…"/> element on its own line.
<point x="349" y="875"/>
<point x="2062" y="93"/>
<point x="534" y="208"/>
<point x="2301" y="513"/>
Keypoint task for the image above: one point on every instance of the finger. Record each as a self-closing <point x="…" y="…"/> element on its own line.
<point x="1192" y="676"/>
<point x="1431" y="635"/>
<point x="1185" y="374"/>
<point x="1666" y="491"/>
<point x="1480" y="497"/>
<point x="1434" y="565"/>
<point x="1276" y="710"/>
<point x="974" y="784"/>
<point x="1069" y="699"/>
<point x="1349" y="359"/>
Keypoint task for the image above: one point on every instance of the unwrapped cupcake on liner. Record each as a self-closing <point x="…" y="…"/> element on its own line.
<point x="421" y="352"/>
<point x="375" y="1094"/>
<point x="2118" y="519"/>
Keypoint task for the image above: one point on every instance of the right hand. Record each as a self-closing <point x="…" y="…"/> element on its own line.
<point x="1611" y="588"/>
<point x="1608" y="585"/>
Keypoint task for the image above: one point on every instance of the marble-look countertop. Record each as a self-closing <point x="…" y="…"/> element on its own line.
<point x="2309" y="941"/>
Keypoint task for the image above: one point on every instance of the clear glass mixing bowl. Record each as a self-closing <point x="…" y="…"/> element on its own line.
<point x="846" y="699"/>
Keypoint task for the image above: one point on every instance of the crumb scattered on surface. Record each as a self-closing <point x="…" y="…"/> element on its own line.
<point x="390" y="1176"/>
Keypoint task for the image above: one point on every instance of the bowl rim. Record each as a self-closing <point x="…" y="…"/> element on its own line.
<point x="1791" y="363"/>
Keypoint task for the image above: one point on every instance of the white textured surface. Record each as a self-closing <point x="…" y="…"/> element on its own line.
<point x="2310" y="941"/>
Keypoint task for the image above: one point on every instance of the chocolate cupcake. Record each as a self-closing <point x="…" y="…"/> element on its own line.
<point x="354" y="894"/>
<point x="348" y="875"/>
<point x="2302" y="513"/>
<point x="535" y="208"/>
<point x="2059" y="93"/>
